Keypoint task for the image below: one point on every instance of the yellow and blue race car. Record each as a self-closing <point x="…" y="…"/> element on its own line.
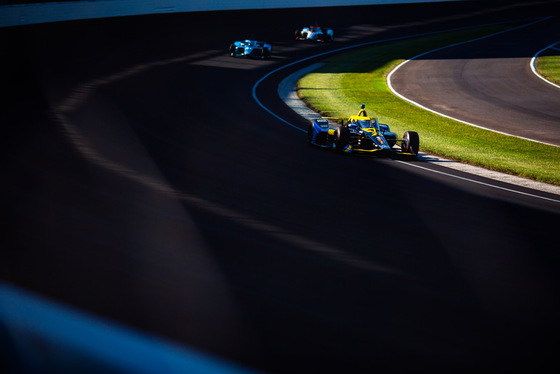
<point x="361" y="134"/>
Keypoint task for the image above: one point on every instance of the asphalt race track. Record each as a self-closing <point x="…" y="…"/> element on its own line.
<point x="142" y="183"/>
<point x="489" y="83"/>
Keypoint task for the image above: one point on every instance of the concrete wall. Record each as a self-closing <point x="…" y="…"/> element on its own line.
<point x="13" y="15"/>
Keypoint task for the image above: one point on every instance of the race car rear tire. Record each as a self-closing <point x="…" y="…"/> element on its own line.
<point x="410" y="142"/>
<point x="298" y="34"/>
<point x="341" y="138"/>
<point x="232" y="50"/>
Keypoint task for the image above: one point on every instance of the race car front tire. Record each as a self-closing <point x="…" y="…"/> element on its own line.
<point x="410" y="142"/>
<point x="341" y="138"/>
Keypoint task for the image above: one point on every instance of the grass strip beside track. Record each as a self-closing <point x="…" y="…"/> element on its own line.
<point x="548" y="65"/>
<point x="359" y="77"/>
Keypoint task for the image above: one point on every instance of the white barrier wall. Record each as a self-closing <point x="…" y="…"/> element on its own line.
<point x="24" y="14"/>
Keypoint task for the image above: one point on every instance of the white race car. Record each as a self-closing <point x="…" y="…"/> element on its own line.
<point x="315" y="33"/>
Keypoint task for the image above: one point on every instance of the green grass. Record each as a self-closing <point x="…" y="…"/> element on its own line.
<point x="359" y="77"/>
<point x="548" y="66"/>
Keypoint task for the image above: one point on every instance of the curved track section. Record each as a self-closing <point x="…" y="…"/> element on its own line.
<point x="489" y="83"/>
<point x="147" y="187"/>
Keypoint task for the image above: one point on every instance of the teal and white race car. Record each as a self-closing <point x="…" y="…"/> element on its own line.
<point x="250" y="48"/>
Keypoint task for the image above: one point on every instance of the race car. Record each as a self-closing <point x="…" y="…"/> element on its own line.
<point x="250" y="48"/>
<point x="361" y="134"/>
<point x="315" y="33"/>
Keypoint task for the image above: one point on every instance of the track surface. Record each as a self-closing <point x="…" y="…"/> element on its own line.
<point x="489" y="83"/>
<point x="164" y="198"/>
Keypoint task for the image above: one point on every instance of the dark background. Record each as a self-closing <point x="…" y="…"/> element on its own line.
<point x="170" y="202"/>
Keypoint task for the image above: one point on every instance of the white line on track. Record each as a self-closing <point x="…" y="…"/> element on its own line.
<point x="479" y="182"/>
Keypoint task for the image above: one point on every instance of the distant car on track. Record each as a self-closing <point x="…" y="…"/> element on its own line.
<point x="361" y="134"/>
<point x="315" y="33"/>
<point x="250" y="48"/>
